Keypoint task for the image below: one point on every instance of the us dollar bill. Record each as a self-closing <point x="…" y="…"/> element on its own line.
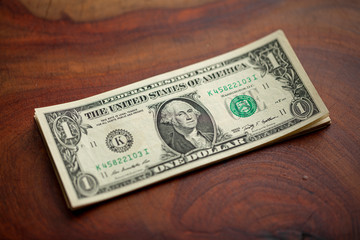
<point x="113" y="143"/>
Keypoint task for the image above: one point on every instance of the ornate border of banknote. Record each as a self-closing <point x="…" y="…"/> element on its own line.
<point x="67" y="126"/>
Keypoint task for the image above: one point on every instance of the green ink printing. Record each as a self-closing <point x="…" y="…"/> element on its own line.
<point x="233" y="85"/>
<point x="243" y="106"/>
<point x="121" y="160"/>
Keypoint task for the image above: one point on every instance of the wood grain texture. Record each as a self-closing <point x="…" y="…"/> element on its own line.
<point x="90" y="10"/>
<point x="305" y="188"/>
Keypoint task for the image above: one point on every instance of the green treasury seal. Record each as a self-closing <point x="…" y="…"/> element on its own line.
<point x="243" y="106"/>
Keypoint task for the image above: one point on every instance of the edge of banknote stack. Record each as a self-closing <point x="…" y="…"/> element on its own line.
<point x="69" y="130"/>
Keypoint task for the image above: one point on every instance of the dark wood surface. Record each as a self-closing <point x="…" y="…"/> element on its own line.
<point x="53" y="52"/>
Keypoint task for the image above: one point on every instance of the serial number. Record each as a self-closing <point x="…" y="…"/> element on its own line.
<point x="122" y="160"/>
<point x="232" y="85"/>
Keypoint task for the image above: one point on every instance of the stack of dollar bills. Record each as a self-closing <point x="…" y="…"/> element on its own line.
<point x="118" y="141"/>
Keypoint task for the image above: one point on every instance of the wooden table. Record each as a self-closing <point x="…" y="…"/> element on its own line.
<point x="53" y="52"/>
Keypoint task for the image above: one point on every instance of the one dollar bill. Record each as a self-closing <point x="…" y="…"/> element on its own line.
<point x="113" y="143"/>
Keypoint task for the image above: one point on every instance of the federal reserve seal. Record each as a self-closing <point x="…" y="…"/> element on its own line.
<point x="119" y="140"/>
<point x="243" y="106"/>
